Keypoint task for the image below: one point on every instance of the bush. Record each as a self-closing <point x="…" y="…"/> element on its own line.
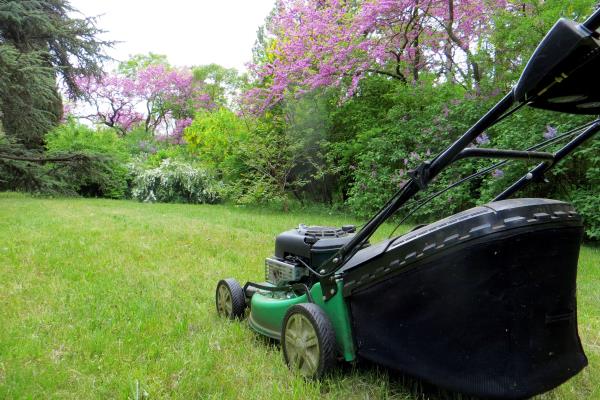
<point x="423" y="119"/>
<point x="174" y="182"/>
<point x="420" y="121"/>
<point x="140" y="141"/>
<point x="215" y="137"/>
<point x="586" y="198"/>
<point x="588" y="204"/>
<point x="104" y="173"/>
<point x="168" y="152"/>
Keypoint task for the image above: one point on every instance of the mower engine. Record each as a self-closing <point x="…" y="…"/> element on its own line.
<point x="280" y="273"/>
<point x="308" y="245"/>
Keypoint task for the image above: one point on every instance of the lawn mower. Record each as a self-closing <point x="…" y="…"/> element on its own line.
<point x="482" y="302"/>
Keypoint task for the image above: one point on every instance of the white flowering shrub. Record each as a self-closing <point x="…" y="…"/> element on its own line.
<point x="174" y="182"/>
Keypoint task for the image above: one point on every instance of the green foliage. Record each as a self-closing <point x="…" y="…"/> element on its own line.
<point x="139" y="141"/>
<point x="29" y="103"/>
<point x="220" y="83"/>
<point x="377" y="146"/>
<point x="586" y="196"/>
<point x="156" y="155"/>
<point x="19" y="175"/>
<point x="576" y="179"/>
<point x="174" y="182"/>
<point x="417" y="123"/>
<point x="308" y="125"/>
<point x="149" y="151"/>
<point x="521" y="27"/>
<point x="138" y="62"/>
<point x="23" y="169"/>
<point x="587" y="203"/>
<point x="215" y="138"/>
<point x="265" y="165"/>
<point x="105" y="174"/>
<point x="257" y="158"/>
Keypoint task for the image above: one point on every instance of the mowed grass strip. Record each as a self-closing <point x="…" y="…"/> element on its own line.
<point x="115" y="299"/>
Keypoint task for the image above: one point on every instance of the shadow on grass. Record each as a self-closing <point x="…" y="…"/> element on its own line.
<point x="401" y="384"/>
<point x="397" y="384"/>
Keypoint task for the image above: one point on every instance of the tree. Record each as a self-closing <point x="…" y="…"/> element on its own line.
<point x="266" y="162"/>
<point x="222" y="84"/>
<point x="322" y="43"/>
<point x="215" y="138"/>
<point x="138" y="62"/>
<point x="113" y="101"/>
<point x="160" y="98"/>
<point x="521" y="26"/>
<point x="42" y="44"/>
<point x="29" y="102"/>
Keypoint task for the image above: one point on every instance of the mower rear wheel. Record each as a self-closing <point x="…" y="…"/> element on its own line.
<point x="308" y="340"/>
<point x="230" y="299"/>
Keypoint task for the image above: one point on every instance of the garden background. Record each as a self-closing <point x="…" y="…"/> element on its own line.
<point x="340" y="101"/>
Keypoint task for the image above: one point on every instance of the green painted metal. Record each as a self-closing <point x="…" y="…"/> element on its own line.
<point x="267" y="311"/>
<point x="337" y="311"/>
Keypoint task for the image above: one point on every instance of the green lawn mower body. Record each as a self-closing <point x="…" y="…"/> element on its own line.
<point x="267" y="313"/>
<point x="482" y="302"/>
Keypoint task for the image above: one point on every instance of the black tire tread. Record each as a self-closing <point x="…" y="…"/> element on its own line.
<point x="238" y="298"/>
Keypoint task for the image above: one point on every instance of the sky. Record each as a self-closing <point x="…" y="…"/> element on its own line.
<point x="188" y="32"/>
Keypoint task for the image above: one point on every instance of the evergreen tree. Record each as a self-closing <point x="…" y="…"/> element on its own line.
<point x="42" y="45"/>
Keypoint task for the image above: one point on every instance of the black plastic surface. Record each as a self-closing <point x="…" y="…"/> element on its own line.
<point x="291" y="243"/>
<point x="389" y="257"/>
<point x="313" y="243"/>
<point x="562" y="73"/>
<point x="486" y="305"/>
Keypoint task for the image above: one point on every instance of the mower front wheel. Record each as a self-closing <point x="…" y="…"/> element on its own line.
<point x="230" y="299"/>
<point x="308" y="340"/>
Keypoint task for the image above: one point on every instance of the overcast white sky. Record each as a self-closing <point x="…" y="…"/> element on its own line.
<point x="189" y="32"/>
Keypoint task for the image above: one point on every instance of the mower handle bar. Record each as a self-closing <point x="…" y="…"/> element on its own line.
<point x="503" y="154"/>
<point x="421" y="177"/>
<point x="537" y="173"/>
<point x="427" y="171"/>
<point x="593" y="22"/>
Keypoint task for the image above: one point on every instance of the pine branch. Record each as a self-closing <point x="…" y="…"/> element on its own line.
<point x="71" y="158"/>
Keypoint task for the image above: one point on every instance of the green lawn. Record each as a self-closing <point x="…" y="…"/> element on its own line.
<point x="114" y="299"/>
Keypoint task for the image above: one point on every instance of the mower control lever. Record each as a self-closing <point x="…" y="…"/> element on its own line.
<point x="504" y="154"/>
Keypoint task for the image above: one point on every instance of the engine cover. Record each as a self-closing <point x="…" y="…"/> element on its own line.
<point x="299" y="242"/>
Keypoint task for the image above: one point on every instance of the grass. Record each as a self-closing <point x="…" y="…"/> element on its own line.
<point x="114" y="299"/>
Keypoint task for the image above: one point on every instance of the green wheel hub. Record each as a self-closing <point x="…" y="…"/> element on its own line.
<point x="224" y="302"/>
<point x="302" y="345"/>
<point x="308" y="340"/>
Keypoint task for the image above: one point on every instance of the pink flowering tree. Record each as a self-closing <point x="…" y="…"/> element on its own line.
<point x="323" y="43"/>
<point x="169" y="95"/>
<point x="160" y="99"/>
<point x="111" y="101"/>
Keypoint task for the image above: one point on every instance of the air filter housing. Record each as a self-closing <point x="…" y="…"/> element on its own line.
<point x="312" y="243"/>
